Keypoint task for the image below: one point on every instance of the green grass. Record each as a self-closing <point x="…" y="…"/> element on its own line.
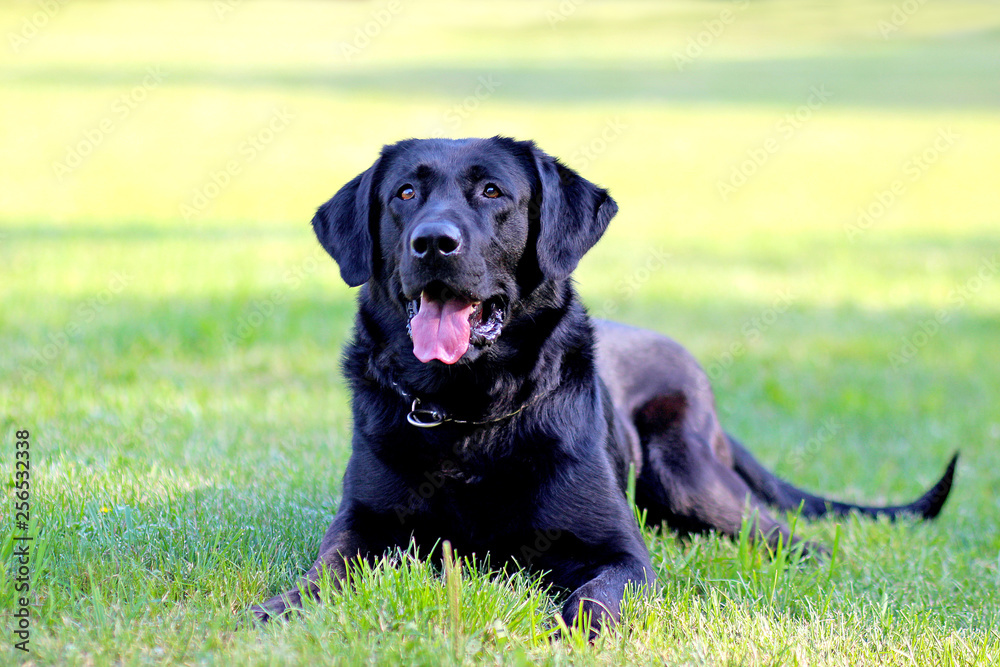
<point x="179" y="374"/>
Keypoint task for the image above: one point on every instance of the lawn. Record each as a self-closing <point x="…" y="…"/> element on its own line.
<point x="809" y="202"/>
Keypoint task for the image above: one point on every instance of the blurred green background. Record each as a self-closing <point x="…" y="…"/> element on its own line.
<point x="809" y="202"/>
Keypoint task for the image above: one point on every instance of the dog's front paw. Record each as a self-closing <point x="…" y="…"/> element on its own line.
<point x="278" y="607"/>
<point x="595" y="612"/>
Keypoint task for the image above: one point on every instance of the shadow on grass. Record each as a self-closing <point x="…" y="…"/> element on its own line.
<point x="932" y="75"/>
<point x="143" y="231"/>
<point x="809" y="244"/>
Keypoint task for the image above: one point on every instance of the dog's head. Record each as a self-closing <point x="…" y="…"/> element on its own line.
<point x="454" y="234"/>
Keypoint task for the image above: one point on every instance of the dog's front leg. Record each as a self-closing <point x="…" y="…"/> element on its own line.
<point x="340" y="545"/>
<point x="601" y="597"/>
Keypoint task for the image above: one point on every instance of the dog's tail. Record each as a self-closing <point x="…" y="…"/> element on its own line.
<point x="777" y="492"/>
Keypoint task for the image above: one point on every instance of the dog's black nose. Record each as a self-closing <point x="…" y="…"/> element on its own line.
<point x="435" y="238"/>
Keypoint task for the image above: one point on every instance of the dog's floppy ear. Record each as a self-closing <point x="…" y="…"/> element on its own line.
<point x="343" y="229"/>
<point x="573" y="214"/>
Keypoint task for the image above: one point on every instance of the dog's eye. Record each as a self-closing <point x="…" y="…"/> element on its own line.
<point x="492" y="191"/>
<point x="406" y="192"/>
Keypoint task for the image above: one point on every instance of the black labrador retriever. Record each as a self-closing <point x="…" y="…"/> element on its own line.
<point x="490" y="411"/>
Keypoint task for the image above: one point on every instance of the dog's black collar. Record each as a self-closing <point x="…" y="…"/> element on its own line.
<point x="427" y="415"/>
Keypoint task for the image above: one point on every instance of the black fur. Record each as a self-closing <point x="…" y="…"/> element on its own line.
<point x="545" y="420"/>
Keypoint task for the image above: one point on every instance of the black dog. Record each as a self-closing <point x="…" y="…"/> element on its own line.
<point x="490" y="411"/>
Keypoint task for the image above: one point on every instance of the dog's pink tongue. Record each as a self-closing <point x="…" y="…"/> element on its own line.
<point x="441" y="330"/>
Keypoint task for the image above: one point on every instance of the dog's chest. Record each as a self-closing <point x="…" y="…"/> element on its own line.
<point x="468" y="501"/>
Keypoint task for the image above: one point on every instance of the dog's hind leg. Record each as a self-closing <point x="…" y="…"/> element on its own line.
<point x="684" y="484"/>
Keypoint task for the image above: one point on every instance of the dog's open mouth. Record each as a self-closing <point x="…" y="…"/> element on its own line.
<point x="443" y="324"/>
